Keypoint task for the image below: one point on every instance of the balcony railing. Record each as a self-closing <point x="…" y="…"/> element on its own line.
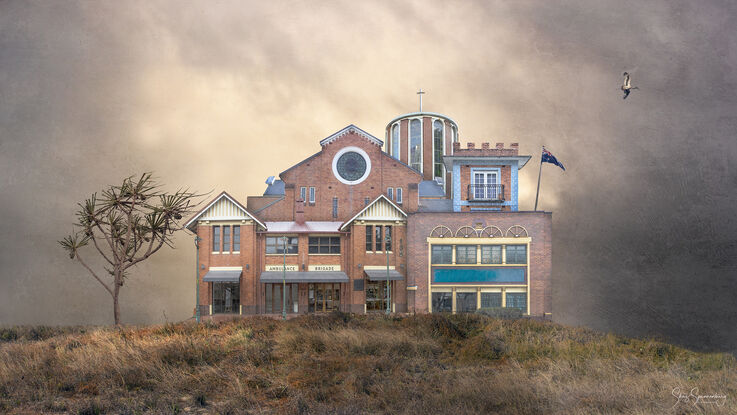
<point x="486" y="192"/>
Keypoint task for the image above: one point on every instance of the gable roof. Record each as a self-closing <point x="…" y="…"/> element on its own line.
<point x="223" y="207"/>
<point x="380" y="209"/>
<point x="351" y="129"/>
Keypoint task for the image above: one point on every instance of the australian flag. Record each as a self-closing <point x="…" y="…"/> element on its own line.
<point x="550" y="158"/>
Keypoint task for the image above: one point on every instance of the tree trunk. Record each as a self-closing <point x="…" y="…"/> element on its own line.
<point x="116" y="305"/>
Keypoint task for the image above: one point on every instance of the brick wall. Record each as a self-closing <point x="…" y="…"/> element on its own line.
<point x="317" y="172"/>
<point x="539" y="228"/>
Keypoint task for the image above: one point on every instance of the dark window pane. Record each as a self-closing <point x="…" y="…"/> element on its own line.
<point x="388" y="238"/>
<point x="466" y="254"/>
<point x="216" y="238"/>
<point x="516" y="254"/>
<point x="226" y="238"/>
<point x="369" y="238"/>
<point x="491" y="300"/>
<point x="442" y="254"/>
<point x="517" y="300"/>
<point x="313" y="249"/>
<point x="378" y="237"/>
<point x="313" y="240"/>
<point x="465" y="302"/>
<point x="236" y="238"/>
<point x="491" y="254"/>
<point x="442" y="302"/>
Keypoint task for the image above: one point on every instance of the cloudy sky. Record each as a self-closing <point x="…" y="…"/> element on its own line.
<point x="220" y="95"/>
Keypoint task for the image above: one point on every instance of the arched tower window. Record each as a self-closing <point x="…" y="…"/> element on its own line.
<point x="455" y="133"/>
<point x="438" y="148"/>
<point x="415" y="145"/>
<point x="395" y="141"/>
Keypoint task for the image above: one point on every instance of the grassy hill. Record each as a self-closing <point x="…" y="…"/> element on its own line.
<point x="338" y="363"/>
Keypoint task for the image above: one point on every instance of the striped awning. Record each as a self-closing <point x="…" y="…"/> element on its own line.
<point x="222" y="276"/>
<point x="380" y="275"/>
<point x="304" y="276"/>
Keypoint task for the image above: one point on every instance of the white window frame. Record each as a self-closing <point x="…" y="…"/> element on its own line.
<point x="303" y="193"/>
<point x="390" y="193"/>
<point x="399" y="195"/>
<point x="399" y="140"/>
<point x="485" y="194"/>
<point x="312" y="195"/>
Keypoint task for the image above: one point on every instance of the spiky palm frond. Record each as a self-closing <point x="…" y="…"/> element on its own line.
<point x="73" y="242"/>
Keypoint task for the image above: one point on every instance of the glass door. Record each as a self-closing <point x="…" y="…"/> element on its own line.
<point x="376" y="296"/>
<point x="485" y="185"/>
<point x="323" y="297"/>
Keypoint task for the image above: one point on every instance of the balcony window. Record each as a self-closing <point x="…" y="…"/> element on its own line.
<point x="485" y="186"/>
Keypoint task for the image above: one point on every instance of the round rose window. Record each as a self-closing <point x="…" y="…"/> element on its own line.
<point x="351" y="165"/>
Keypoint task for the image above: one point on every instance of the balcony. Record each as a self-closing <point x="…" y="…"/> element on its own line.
<point x="485" y="192"/>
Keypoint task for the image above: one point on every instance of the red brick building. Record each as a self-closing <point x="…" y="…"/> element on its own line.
<point x="424" y="226"/>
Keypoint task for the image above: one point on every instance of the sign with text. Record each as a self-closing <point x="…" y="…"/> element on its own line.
<point x="281" y="267"/>
<point x="324" y="268"/>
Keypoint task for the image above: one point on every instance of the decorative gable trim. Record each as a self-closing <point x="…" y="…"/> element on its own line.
<point x="351" y="129"/>
<point x="223" y="207"/>
<point x="380" y="209"/>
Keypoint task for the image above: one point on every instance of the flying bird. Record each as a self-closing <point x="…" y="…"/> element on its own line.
<point x="626" y="86"/>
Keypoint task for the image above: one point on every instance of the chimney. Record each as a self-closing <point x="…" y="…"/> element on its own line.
<point x="299" y="211"/>
<point x="499" y="146"/>
<point x="471" y="146"/>
<point x="456" y="146"/>
<point x="514" y="147"/>
<point x="485" y="146"/>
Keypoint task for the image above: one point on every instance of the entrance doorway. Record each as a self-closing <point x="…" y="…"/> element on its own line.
<point x="226" y="297"/>
<point x="323" y="297"/>
<point x="377" y="295"/>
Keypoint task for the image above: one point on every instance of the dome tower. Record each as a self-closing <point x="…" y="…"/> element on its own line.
<point x="421" y="139"/>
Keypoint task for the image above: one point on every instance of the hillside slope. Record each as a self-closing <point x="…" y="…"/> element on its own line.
<point x="354" y="364"/>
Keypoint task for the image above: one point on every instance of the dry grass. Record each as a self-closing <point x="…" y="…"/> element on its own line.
<point x="347" y="364"/>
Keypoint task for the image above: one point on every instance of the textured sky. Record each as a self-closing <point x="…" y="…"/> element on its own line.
<point x="220" y="95"/>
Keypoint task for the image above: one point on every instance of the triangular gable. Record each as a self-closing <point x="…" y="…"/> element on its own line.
<point x="223" y="207"/>
<point x="351" y="129"/>
<point x="380" y="209"/>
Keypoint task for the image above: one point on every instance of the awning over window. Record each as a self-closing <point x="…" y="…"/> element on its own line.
<point x="222" y="276"/>
<point x="380" y="275"/>
<point x="304" y="276"/>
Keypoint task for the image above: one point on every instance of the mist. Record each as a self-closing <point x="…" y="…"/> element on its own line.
<point x="219" y="96"/>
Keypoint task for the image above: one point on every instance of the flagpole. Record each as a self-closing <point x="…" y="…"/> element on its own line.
<point x="537" y="194"/>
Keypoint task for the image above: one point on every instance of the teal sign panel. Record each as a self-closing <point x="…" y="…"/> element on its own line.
<point x="482" y="275"/>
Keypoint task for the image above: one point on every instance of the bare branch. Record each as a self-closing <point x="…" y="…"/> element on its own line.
<point x="95" y="275"/>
